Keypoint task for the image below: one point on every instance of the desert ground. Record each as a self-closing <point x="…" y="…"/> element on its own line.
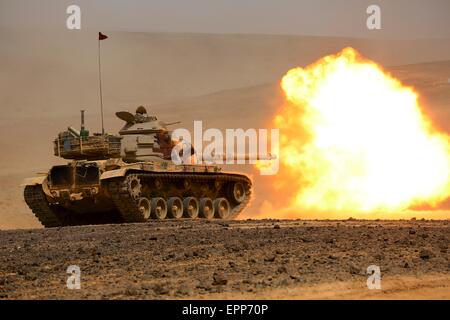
<point x="250" y="259"/>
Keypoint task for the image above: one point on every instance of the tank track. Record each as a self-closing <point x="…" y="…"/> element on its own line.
<point x="122" y="199"/>
<point x="36" y="200"/>
<point x="127" y="205"/>
<point x="54" y="215"/>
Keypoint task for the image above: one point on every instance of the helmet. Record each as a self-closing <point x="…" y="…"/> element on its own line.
<point x="141" y="110"/>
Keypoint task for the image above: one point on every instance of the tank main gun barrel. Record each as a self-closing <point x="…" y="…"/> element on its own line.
<point x="235" y="157"/>
<point x="171" y="123"/>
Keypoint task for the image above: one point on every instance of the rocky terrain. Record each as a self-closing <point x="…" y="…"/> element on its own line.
<point x="260" y="259"/>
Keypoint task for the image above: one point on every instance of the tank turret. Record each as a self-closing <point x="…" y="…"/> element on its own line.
<point x="144" y="138"/>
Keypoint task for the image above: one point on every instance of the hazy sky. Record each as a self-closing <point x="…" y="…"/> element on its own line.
<point x="400" y="18"/>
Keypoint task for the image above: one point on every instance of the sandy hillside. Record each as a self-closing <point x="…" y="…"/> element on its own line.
<point x="224" y="80"/>
<point x="56" y="73"/>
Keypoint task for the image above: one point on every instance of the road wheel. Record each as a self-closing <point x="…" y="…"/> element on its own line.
<point x="145" y="208"/>
<point x="237" y="192"/>
<point x="175" y="208"/>
<point x="221" y="208"/>
<point x="159" y="208"/>
<point x="206" y="208"/>
<point x="190" y="205"/>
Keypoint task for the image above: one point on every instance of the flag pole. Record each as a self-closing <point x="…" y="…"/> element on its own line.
<point x="100" y="85"/>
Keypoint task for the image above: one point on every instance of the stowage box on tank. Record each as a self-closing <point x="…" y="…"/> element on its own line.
<point x="130" y="178"/>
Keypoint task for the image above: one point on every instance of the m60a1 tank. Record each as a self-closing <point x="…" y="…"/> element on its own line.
<point x="130" y="178"/>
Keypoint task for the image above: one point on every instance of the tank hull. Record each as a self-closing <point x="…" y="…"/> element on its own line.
<point x="112" y="191"/>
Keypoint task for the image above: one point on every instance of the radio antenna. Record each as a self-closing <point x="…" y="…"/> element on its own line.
<point x="101" y="37"/>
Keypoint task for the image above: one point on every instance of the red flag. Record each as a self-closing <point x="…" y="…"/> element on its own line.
<point x="101" y="36"/>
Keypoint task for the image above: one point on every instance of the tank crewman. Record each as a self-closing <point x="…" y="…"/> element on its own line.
<point x="141" y="115"/>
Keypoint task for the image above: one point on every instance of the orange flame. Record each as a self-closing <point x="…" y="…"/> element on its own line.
<point x="354" y="139"/>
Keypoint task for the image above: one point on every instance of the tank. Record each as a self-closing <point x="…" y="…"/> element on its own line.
<point x="130" y="177"/>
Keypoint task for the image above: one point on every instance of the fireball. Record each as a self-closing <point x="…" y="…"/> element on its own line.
<point x="355" y="139"/>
